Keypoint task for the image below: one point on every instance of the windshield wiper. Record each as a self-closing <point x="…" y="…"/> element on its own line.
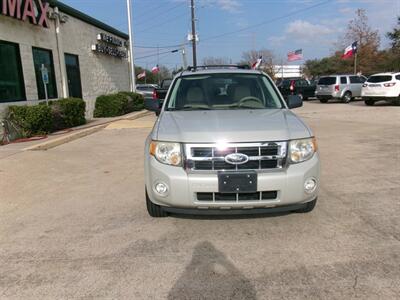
<point x="196" y="107"/>
<point x="190" y="108"/>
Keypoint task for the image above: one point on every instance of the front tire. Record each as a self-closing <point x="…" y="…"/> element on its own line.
<point x="309" y="206"/>
<point x="154" y="210"/>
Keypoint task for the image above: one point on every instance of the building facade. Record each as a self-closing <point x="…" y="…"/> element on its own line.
<point x="50" y="49"/>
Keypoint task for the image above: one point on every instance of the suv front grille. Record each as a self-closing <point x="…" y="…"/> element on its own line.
<point x="237" y="197"/>
<point x="210" y="157"/>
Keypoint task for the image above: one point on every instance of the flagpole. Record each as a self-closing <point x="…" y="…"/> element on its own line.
<point x="355" y="63"/>
<point x="132" y="64"/>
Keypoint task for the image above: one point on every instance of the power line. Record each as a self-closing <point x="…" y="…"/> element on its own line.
<point x="160" y="47"/>
<point x="155" y="54"/>
<point x="267" y="22"/>
<point x="174" y="18"/>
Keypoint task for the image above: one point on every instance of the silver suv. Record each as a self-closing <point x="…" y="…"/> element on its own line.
<point x="226" y="142"/>
<point x="343" y="87"/>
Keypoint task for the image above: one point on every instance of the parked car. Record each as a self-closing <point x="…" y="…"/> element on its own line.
<point x="383" y="86"/>
<point x="161" y="92"/>
<point x="227" y="142"/>
<point x="299" y="86"/>
<point x="343" y="87"/>
<point x="146" y="89"/>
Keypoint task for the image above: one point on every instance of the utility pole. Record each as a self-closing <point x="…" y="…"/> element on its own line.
<point x="193" y="35"/>
<point x="132" y="64"/>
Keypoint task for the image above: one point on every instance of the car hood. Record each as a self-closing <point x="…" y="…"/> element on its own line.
<point x="229" y="126"/>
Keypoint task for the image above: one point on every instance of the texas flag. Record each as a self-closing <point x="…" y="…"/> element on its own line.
<point x="350" y="50"/>
<point x="155" y="70"/>
<point x="255" y="65"/>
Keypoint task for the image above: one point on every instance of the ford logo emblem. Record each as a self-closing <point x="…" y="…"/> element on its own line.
<point x="236" y="158"/>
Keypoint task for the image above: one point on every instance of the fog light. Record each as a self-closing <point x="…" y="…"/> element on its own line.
<point x="310" y="185"/>
<point x="161" y="188"/>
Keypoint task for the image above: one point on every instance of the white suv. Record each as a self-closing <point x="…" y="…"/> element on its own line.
<point x="382" y="86"/>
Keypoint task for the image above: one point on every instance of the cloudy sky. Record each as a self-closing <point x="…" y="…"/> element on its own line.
<point x="226" y="28"/>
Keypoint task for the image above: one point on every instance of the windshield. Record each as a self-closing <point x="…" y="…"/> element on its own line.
<point x="327" y="80"/>
<point x="380" y="78"/>
<point x="223" y="91"/>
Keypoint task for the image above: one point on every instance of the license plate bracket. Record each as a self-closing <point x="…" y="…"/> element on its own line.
<point x="229" y="182"/>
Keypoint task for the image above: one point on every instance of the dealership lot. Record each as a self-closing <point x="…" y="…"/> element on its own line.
<point x="73" y="222"/>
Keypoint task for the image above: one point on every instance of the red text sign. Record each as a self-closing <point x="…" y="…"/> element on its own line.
<point x="31" y="10"/>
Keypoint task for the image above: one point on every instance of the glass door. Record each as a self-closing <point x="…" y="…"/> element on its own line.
<point x="73" y="75"/>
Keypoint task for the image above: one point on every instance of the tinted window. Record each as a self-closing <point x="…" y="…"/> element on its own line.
<point x="11" y="79"/>
<point x="327" y="80"/>
<point x="398" y="77"/>
<point x="355" y="79"/>
<point x="44" y="57"/>
<point x="223" y="91"/>
<point x="145" y="88"/>
<point x="343" y="80"/>
<point x="73" y="75"/>
<point x="380" y="78"/>
<point x="166" y="83"/>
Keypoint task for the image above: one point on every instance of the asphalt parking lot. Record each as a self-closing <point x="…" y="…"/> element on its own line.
<point x="73" y="223"/>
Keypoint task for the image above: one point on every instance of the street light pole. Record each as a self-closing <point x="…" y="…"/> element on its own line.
<point x="132" y="64"/>
<point x="194" y="36"/>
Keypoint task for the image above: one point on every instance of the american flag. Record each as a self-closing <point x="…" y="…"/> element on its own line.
<point x="295" y="55"/>
<point x="141" y="75"/>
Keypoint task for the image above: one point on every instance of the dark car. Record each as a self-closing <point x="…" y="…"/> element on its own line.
<point x="298" y="86"/>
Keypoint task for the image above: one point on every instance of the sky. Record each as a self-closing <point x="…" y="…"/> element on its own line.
<point x="227" y="28"/>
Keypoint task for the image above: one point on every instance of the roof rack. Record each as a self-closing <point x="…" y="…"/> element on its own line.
<point x="206" y="67"/>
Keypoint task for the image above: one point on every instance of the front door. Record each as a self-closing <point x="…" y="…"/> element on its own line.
<point x="73" y="76"/>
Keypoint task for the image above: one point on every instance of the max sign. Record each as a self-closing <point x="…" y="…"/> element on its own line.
<point x="35" y="11"/>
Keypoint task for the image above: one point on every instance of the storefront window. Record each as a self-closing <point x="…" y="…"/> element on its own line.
<point x="11" y="79"/>
<point x="73" y="75"/>
<point x="44" y="57"/>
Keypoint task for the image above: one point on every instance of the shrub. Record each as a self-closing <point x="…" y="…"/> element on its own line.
<point x="118" y="104"/>
<point x="110" y="105"/>
<point x="68" y="112"/>
<point x="32" y="120"/>
<point x="135" y="101"/>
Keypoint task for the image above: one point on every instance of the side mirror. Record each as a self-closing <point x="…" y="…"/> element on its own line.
<point x="294" y="101"/>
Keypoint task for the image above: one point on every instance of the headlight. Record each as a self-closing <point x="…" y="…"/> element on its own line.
<point x="302" y="150"/>
<point x="166" y="153"/>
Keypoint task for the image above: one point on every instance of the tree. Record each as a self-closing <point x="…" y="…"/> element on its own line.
<point x="267" y="65"/>
<point x="368" y="40"/>
<point x="394" y="36"/>
<point x="393" y="54"/>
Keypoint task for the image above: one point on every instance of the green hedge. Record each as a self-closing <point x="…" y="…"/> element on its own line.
<point x="68" y="112"/>
<point x="135" y="101"/>
<point x="32" y="120"/>
<point x="118" y="104"/>
<point x="43" y="119"/>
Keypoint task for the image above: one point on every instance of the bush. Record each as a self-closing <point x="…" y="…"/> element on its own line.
<point x="118" y="104"/>
<point x="110" y="105"/>
<point x="135" y="101"/>
<point x="32" y="120"/>
<point x="68" y="112"/>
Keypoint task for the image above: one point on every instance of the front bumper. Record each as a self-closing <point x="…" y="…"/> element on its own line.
<point x="183" y="186"/>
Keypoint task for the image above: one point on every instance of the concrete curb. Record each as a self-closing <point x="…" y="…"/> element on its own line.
<point x="81" y="133"/>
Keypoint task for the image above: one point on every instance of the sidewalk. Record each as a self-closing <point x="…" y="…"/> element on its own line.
<point x="60" y="137"/>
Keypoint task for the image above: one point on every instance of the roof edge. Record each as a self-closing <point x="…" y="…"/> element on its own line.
<point x="86" y="18"/>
